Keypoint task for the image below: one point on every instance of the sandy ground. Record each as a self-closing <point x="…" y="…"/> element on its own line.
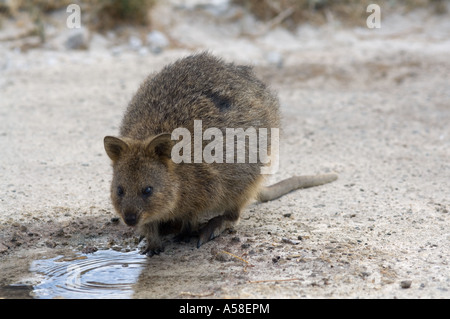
<point x="371" y="105"/>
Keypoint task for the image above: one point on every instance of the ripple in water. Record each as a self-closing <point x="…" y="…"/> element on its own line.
<point x="103" y="274"/>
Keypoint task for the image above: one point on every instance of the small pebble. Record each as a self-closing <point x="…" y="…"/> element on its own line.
<point x="3" y="248"/>
<point x="89" y="250"/>
<point x="222" y="257"/>
<point x="114" y="219"/>
<point x="135" y="43"/>
<point x="157" y="41"/>
<point x="235" y="239"/>
<point x="405" y="284"/>
<point x="59" y="233"/>
<point x="50" y="244"/>
<point x="290" y="241"/>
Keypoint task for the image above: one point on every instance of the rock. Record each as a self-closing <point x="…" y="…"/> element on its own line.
<point x="89" y="250"/>
<point x="405" y="284"/>
<point x="235" y="239"/>
<point x="220" y="255"/>
<point x="50" y="244"/>
<point x="3" y="248"/>
<point x="157" y="41"/>
<point x="290" y="241"/>
<point x="115" y="219"/>
<point x="135" y="43"/>
<point x="59" y="233"/>
<point x="275" y="58"/>
<point x="68" y="39"/>
<point x="143" y="51"/>
<point x="77" y="39"/>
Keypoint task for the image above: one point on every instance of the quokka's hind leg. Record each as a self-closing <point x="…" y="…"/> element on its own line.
<point x="186" y="232"/>
<point x="217" y="225"/>
<point x="268" y="193"/>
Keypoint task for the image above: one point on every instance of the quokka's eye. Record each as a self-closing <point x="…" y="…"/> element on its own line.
<point x="120" y="191"/>
<point x="147" y="191"/>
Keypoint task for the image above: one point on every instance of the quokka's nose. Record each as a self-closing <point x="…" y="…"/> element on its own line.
<point x="130" y="219"/>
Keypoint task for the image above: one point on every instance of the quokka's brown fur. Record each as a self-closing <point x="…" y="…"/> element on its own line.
<point x="156" y="195"/>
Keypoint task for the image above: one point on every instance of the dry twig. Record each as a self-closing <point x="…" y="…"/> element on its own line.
<point x="272" y="280"/>
<point x="188" y="293"/>
<point x="233" y="255"/>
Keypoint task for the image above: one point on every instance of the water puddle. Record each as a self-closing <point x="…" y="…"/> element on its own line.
<point x="102" y="274"/>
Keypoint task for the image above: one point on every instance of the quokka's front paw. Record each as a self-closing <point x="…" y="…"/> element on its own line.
<point x="152" y="250"/>
<point x="154" y="243"/>
<point x="154" y="247"/>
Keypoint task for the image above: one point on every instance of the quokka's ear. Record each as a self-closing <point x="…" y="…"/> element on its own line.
<point x="160" y="146"/>
<point x="114" y="147"/>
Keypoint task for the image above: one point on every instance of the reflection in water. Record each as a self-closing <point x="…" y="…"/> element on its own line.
<point x="103" y="274"/>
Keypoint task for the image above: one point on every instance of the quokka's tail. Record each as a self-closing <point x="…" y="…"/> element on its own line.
<point x="268" y="193"/>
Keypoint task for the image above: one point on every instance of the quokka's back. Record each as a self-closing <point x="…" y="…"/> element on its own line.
<point x="200" y="87"/>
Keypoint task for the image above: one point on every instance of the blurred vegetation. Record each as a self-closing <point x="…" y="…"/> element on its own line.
<point x="290" y="13"/>
<point x="106" y="14"/>
<point x="102" y="14"/>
